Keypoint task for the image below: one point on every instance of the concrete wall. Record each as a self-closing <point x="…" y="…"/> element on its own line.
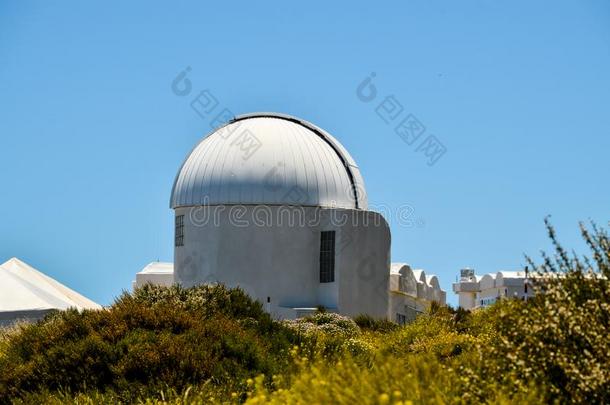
<point x="467" y="300"/>
<point x="489" y="296"/>
<point x="411" y="292"/>
<point x="405" y="304"/>
<point x="162" y="279"/>
<point x="273" y="252"/>
<point x="10" y="318"/>
<point x="491" y="287"/>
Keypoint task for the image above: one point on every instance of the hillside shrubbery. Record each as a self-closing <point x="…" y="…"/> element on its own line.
<point x="146" y="342"/>
<point x="213" y="345"/>
<point x="560" y="340"/>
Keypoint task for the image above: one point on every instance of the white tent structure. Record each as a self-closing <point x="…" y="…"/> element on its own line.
<point x="27" y="294"/>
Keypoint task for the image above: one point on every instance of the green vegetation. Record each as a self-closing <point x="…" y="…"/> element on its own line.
<point x="150" y="341"/>
<point x="213" y="345"/>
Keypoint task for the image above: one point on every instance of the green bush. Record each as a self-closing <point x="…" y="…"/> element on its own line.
<point x="149" y="341"/>
<point x="325" y="334"/>
<point x="324" y="322"/>
<point x="560" y="340"/>
<point x="367" y="322"/>
<point x="213" y="345"/>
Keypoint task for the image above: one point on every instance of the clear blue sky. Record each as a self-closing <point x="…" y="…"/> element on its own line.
<point x="91" y="135"/>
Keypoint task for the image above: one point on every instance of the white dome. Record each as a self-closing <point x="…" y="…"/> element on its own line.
<point x="268" y="158"/>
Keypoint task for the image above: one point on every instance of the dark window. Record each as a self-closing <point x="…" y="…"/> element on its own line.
<point x="401" y="319"/>
<point x="327" y="257"/>
<point x="525" y="288"/>
<point x="179" y="238"/>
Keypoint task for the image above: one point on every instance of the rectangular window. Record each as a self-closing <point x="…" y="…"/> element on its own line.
<point x="327" y="257"/>
<point x="179" y="234"/>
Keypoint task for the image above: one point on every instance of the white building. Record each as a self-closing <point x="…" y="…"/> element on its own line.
<point x="277" y="206"/>
<point x="412" y="292"/>
<point x="157" y="273"/>
<point x="26" y="294"/>
<point x="480" y="291"/>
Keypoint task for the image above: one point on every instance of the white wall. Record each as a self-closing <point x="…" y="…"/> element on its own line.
<point x="162" y="279"/>
<point x="271" y="252"/>
<point x="10" y="318"/>
<point x="467" y="300"/>
<point x="404" y="304"/>
<point x="412" y="292"/>
<point x="490" y="288"/>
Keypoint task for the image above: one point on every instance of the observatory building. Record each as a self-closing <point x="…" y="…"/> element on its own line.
<point x="277" y="206"/>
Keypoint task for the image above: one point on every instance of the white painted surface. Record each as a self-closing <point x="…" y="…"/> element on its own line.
<point x="411" y="292"/>
<point x="269" y="159"/>
<point x="26" y="293"/>
<point x="266" y="162"/>
<point x="156" y="273"/>
<point x="481" y="291"/>
<point x="281" y="262"/>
